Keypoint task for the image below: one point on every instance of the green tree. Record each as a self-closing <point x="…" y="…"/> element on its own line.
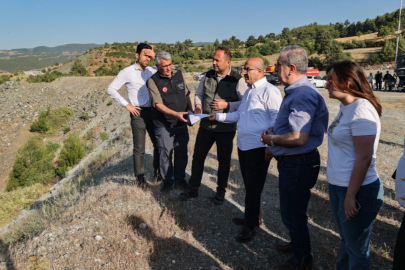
<point x="78" y="69"/>
<point x="71" y="153"/>
<point x="251" y="41"/>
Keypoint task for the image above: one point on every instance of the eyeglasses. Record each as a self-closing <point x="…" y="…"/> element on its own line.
<point x="167" y="65"/>
<point x="248" y="69"/>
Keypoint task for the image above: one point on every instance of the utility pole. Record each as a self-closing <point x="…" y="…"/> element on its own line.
<point x="399" y="26"/>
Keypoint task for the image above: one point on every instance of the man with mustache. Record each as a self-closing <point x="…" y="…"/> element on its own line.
<point x="220" y="90"/>
<point x="257" y="111"/>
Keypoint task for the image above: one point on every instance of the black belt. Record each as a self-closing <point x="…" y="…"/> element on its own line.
<point x="146" y="108"/>
<point x="296" y="157"/>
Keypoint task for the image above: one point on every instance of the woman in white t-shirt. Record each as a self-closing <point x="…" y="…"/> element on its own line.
<point x="355" y="189"/>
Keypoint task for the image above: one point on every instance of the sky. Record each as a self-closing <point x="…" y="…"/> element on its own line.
<point x="32" y="23"/>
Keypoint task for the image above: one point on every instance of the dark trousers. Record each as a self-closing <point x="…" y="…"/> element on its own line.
<point x="169" y="141"/>
<point x="254" y="171"/>
<point x="140" y="125"/>
<point x="399" y="252"/>
<point x="379" y="84"/>
<point x="203" y="143"/>
<point x="296" y="178"/>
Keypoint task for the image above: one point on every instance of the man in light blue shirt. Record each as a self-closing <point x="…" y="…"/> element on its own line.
<point x="299" y="129"/>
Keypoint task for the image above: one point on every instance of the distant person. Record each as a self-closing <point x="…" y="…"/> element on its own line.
<point x="221" y="90"/>
<point x="299" y="129"/>
<point x="134" y="77"/>
<point x="399" y="251"/>
<point x="170" y="101"/>
<point x="256" y="113"/>
<point x="355" y="189"/>
<point x="378" y="80"/>
<point x="370" y="80"/>
<point x="388" y="79"/>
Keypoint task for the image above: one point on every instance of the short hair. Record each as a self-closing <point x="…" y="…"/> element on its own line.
<point x="227" y="52"/>
<point x="142" y="46"/>
<point x="162" y="55"/>
<point x="296" y="55"/>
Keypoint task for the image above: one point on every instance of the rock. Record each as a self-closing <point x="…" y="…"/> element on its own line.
<point x="98" y="238"/>
<point x="142" y="226"/>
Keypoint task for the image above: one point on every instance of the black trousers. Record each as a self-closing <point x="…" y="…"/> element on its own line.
<point x="140" y="125"/>
<point x="203" y="143"/>
<point x="399" y="252"/>
<point x="254" y="171"/>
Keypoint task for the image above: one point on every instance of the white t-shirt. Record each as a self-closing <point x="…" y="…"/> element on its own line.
<point x="359" y="118"/>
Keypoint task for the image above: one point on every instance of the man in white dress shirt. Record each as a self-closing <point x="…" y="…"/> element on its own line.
<point x="257" y="111"/>
<point x="134" y="77"/>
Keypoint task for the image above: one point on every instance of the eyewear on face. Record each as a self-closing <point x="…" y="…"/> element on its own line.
<point x="248" y="69"/>
<point x="168" y="65"/>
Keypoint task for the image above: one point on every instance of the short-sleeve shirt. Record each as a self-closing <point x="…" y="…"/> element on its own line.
<point x="359" y="118"/>
<point x="304" y="110"/>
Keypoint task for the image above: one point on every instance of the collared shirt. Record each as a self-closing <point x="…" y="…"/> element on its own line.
<point x="154" y="91"/>
<point x="303" y="110"/>
<point x="134" y="79"/>
<point x="256" y="113"/>
<point x="240" y="90"/>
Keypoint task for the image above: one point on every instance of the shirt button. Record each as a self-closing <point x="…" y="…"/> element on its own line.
<point x="402" y="198"/>
<point x="403" y="178"/>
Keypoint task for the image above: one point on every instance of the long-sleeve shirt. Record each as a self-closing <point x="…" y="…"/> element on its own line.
<point x="256" y="113"/>
<point x="134" y="79"/>
<point x="233" y="106"/>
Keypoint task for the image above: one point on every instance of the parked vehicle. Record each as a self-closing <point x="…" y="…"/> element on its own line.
<point x="272" y="79"/>
<point x="198" y="77"/>
<point x="317" y="81"/>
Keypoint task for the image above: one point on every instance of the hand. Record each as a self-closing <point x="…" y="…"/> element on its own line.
<point x="219" y="104"/>
<point x="268" y="155"/>
<point x="212" y="116"/>
<point x="150" y="53"/>
<point x="180" y="115"/>
<point x="197" y="109"/>
<point x="133" y="109"/>
<point x="350" y="208"/>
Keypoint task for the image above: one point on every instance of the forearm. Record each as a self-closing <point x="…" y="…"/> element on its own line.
<point x="357" y="177"/>
<point x="290" y="139"/>
<point x="113" y="93"/>
<point x="228" y="117"/>
<point x="162" y="108"/>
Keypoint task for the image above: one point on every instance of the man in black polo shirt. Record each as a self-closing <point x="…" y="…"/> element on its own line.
<point x="220" y="91"/>
<point x="170" y="99"/>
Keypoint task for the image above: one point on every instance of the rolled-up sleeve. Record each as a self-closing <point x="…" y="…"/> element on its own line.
<point x="198" y="99"/>
<point x="154" y="92"/>
<point x="302" y="114"/>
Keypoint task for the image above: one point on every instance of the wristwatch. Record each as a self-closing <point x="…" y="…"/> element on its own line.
<point x="272" y="140"/>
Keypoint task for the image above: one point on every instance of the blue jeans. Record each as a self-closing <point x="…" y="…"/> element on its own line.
<point x="296" y="178"/>
<point x="354" y="250"/>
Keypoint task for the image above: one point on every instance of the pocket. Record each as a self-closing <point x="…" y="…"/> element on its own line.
<point x="312" y="172"/>
<point x="378" y="196"/>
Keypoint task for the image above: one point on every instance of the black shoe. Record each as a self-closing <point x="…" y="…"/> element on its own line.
<point x="246" y="235"/>
<point x="181" y="183"/>
<point x="218" y="201"/>
<point x="166" y="186"/>
<point x="241" y="221"/>
<point x="140" y="181"/>
<point x="292" y="264"/>
<point x="185" y="196"/>
<point x="284" y="247"/>
<point x="157" y="177"/>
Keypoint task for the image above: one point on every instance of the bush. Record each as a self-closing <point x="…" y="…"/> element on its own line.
<point x="110" y="102"/>
<point x="72" y="152"/>
<point x="50" y="121"/>
<point x="34" y="164"/>
<point x="78" y="69"/>
<point x="104" y="136"/>
<point x="47" y="77"/>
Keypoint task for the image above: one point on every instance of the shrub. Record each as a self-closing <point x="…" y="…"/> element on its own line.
<point x="72" y="152"/>
<point x="50" y="121"/>
<point x="47" y="77"/>
<point x="34" y="164"/>
<point x="104" y="136"/>
<point x="78" y="69"/>
<point x="110" y="102"/>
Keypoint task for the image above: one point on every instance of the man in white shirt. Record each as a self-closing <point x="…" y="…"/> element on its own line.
<point x="134" y="77"/>
<point x="221" y="90"/>
<point x="257" y="111"/>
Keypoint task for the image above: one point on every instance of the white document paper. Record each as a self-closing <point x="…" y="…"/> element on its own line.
<point x="194" y="118"/>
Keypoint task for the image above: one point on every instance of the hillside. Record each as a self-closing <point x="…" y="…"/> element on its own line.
<point x="96" y="218"/>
